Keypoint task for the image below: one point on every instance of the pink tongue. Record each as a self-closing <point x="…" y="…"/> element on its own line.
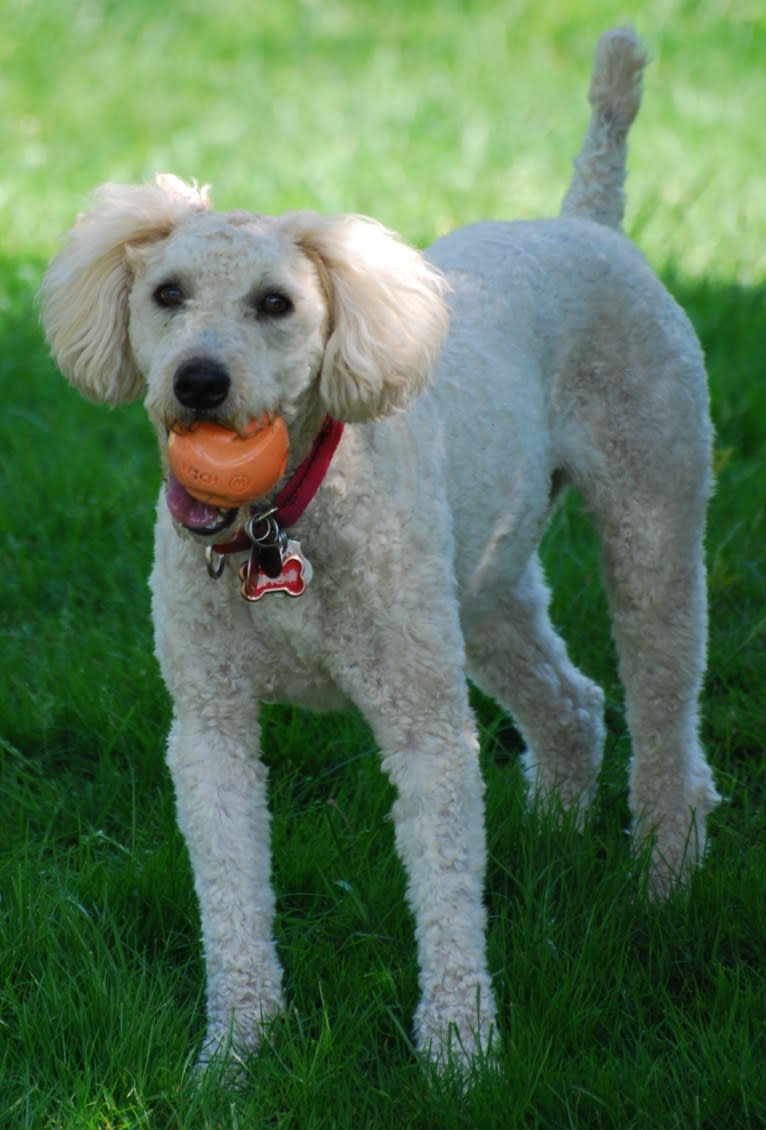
<point x="187" y="510"/>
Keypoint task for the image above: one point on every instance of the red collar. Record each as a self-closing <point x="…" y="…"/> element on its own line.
<point x="299" y="490"/>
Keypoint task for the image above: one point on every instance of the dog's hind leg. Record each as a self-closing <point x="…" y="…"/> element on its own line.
<point x="516" y="656"/>
<point x="654" y="573"/>
<point x="645" y="475"/>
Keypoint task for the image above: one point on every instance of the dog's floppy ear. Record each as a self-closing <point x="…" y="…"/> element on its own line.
<point x="387" y="315"/>
<point x="85" y="291"/>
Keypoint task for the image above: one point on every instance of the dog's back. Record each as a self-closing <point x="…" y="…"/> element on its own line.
<point x="530" y="301"/>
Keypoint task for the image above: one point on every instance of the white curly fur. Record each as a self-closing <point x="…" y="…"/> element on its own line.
<point x="565" y="361"/>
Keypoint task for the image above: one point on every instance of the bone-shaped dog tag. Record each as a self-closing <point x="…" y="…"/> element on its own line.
<point x="295" y="573"/>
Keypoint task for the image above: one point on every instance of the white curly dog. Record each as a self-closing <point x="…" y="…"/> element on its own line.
<point x="474" y="382"/>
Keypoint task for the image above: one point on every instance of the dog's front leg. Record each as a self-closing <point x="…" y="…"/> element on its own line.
<point x="439" y="824"/>
<point x="221" y="798"/>
<point x="415" y="697"/>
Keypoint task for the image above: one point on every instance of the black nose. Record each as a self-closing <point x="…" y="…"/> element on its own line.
<point x="201" y="383"/>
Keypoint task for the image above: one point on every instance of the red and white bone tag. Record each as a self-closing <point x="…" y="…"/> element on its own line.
<point x="295" y="575"/>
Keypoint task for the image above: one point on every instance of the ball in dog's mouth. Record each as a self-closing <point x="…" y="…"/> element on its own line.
<point x="215" y="470"/>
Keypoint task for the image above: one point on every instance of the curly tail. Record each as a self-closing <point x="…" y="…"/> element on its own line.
<point x="596" y="192"/>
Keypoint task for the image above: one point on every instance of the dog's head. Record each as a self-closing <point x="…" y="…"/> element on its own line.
<point x="230" y="316"/>
<point x="233" y="316"/>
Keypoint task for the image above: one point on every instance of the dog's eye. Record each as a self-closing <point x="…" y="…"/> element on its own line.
<point x="274" y="305"/>
<point x="169" y="296"/>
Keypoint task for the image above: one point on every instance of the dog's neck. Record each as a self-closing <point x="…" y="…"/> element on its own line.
<point x="300" y="488"/>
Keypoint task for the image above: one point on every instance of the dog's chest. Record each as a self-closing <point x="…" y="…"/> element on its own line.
<point x="280" y="642"/>
<point x="287" y="641"/>
<point x="205" y="630"/>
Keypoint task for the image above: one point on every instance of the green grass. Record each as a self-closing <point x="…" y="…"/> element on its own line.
<point x="615" y="1012"/>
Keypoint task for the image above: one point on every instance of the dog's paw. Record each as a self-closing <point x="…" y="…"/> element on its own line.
<point x="231" y="1039"/>
<point x="456" y="1031"/>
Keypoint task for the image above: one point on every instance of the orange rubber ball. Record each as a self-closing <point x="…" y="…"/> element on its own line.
<point x="221" y="467"/>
